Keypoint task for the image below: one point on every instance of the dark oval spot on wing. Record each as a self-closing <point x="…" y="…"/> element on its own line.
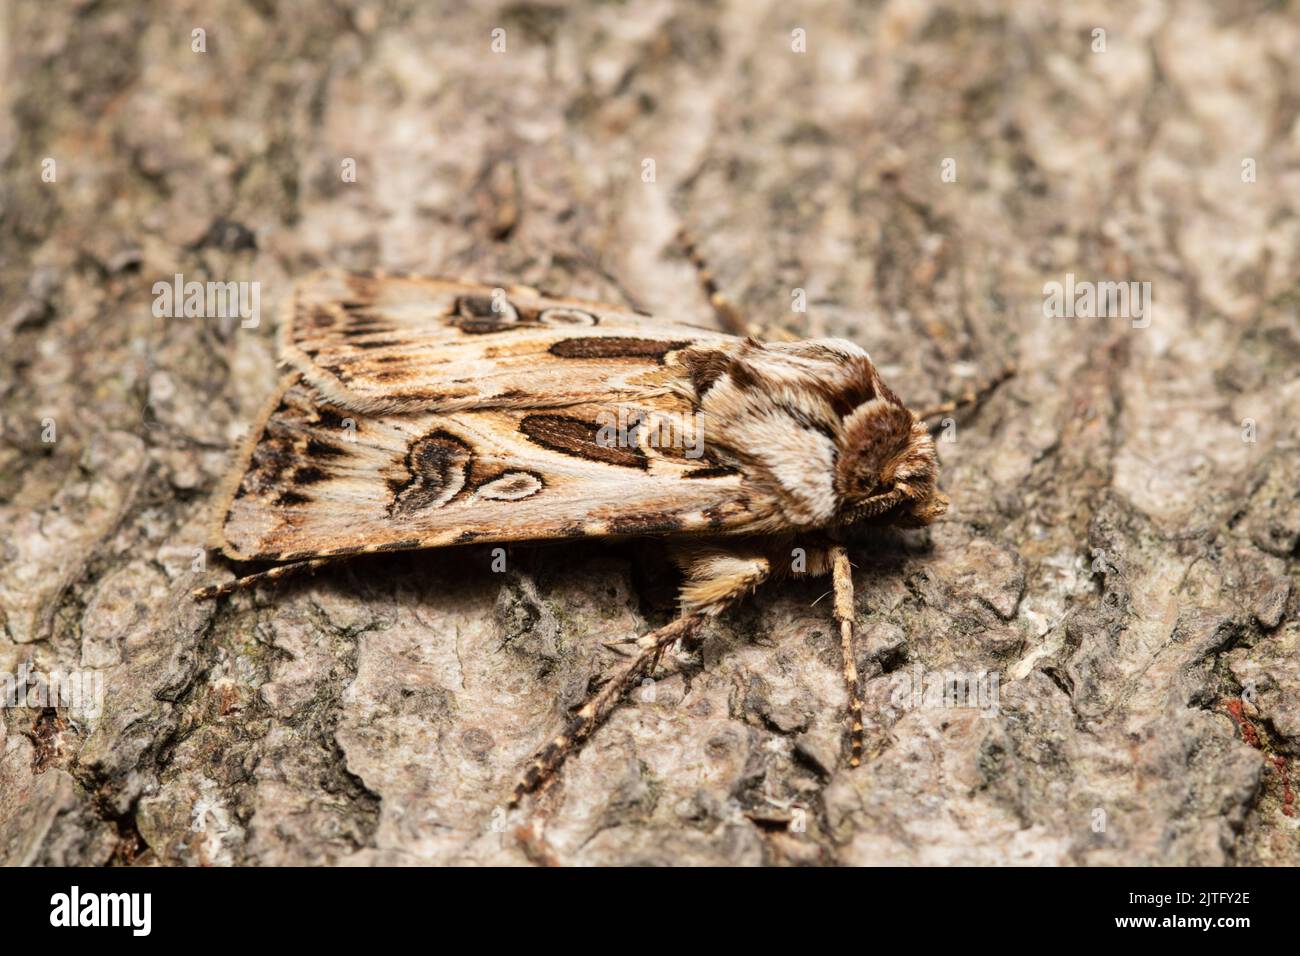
<point x="580" y="438"/>
<point x="600" y="346"/>
<point x="644" y="524"/>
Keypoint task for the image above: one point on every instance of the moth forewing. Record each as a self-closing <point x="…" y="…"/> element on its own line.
<point x="378" y="343"/>
<point x="318" y="483"/>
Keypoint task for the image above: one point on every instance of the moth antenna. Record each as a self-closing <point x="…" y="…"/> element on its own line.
<point x="601" y="704"/>
<point x="251" y="580"/>
<point x="728" y="313"/>
<point x="973" y="396"/>
<point x="842" y="580"/>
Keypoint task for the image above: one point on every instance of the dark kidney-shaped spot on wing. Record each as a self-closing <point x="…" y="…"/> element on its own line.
<point x="580" y="438"/>
<point x="653" y="523"/>
<point x="608" y="347"/>
<point x="437" y="466"/>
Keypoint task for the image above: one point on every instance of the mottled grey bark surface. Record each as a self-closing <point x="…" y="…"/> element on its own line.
<point x="1120" y="556"/>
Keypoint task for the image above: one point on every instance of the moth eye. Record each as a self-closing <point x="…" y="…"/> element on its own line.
<point x="564" y="317"/>
<point x="486" y="313"/>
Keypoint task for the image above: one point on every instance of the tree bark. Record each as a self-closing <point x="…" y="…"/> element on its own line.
<point x="1114" y="584"/>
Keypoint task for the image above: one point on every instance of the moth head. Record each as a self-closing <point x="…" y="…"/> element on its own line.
<point x="887" y="469"/>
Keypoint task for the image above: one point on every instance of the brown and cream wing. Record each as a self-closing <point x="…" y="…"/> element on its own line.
<point x="404" y="343"/>
<point x="316" y="479"/>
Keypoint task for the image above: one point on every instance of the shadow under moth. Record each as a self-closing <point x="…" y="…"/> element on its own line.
<point x="423" y="413"/>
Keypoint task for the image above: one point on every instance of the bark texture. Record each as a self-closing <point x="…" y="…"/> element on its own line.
<point x="1121" y="554"/>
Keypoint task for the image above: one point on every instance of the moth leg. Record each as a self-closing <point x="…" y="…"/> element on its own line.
<point x="252" y="580"/>
<point x="718" y="577"/>
<point x="971" y="397"/>
<point x="715" y="579"/>
<point x="728" y="313"/>
<point x="842" y="581"/>
<point x="601" y="704"/>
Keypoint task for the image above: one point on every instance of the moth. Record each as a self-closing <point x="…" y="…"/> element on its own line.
<point x="427" y="413"/>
